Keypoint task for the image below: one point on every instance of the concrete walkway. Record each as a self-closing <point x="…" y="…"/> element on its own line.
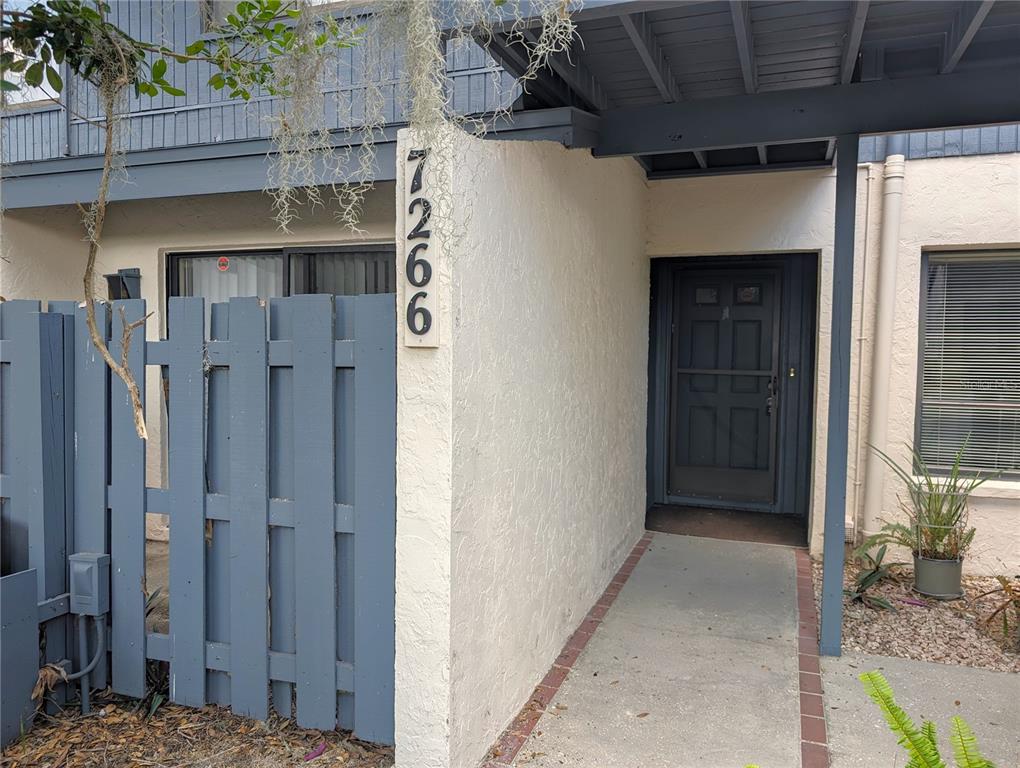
<point x="695" y="664"/>
<point x="858" y="737"/>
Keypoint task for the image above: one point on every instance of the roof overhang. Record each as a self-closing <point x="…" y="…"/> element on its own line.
<point x="712" y="86"/>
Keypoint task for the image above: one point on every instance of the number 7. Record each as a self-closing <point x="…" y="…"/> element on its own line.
<point x="419" y="155"/>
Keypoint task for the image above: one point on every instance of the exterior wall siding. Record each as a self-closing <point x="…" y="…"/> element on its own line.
<point x="521" y="446"/>
<point x="206" y="116"/>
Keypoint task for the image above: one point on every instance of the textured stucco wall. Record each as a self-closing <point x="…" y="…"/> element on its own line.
<point x="958" y="203"/>
<point x="45" y="253"/>
<point x="424" y="504"/>
<point x="550" y="397"/>
<point x="520" y="467"/>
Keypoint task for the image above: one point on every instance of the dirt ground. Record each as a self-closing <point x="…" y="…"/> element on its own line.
<point x="120" y="735"/>
<point x="926" y="629"/>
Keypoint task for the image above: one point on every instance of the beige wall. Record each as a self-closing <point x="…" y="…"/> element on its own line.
<point x="522" y="439"/>
<point x="45" y="253"/>
<point x="960" y="203"/>
<point x="952" y="203"/>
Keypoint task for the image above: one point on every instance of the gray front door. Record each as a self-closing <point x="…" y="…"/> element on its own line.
<point x="723" y="378"/>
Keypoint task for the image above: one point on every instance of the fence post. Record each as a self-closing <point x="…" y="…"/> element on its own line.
<point x="91" y="408"/>
<point x="375" y="430"/>
<point x="127" y="512"/>
<point x="37" y="416"/>
<point x="185" y="334"/>
<point x="249" y="508"/>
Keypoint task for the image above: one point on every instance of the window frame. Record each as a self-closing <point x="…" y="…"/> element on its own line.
<point x="961" y="255"/>
<point x="285" y="252"/>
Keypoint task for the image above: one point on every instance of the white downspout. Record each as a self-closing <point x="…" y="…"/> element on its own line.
<point x="885" y="315"/>
<point x="852" y="510"/>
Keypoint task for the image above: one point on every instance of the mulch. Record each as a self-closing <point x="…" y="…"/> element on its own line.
<point x="119" y="735"/>
<point x="944" y="631"/>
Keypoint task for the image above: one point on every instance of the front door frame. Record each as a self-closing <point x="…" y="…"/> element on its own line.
<point x="798" y="318"/>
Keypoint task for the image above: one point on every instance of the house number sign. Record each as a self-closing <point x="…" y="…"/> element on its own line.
<point x="421" y="305"/>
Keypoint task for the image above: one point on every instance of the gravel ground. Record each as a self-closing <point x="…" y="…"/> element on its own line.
<point x="946" y="631"/>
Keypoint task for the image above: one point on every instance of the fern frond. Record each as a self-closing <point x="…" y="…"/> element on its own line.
<point x="965" y="746"/>
<point x="922" y="752"/>
<point x="928" y="731"/>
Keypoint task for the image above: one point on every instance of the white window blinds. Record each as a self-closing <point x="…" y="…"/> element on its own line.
<point x="970" y="361"/>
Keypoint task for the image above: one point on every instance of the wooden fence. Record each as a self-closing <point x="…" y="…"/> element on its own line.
<point x="280" y="492"/>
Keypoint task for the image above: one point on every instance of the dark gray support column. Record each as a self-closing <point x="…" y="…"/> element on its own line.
<point x="839" y="395"/>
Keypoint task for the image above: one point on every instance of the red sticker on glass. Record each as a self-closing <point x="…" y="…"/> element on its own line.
<point x="223" y="264"/>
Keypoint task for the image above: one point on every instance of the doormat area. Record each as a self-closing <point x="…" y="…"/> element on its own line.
<point x="732" y="525"/>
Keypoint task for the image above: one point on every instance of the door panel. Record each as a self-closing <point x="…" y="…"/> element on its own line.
<point x="723" y="377"/>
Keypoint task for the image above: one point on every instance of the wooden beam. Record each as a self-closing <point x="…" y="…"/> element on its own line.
<point x="741" y="12"/>
<point x="647" y="47"/>
<point x="966" y="23"/>
<point x="575" y="74"/>
<point x="854" y="34"/>
<point x="813" y="114"/>
<point x="515" y="62"/>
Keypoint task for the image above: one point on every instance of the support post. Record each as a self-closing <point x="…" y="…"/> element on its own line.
<point x="839" y="395"/>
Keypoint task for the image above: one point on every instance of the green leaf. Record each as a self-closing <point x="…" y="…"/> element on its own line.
<point x="7" y="85"/>
<point x="169" y="89"/>
<point x="296" y="14"/>
<point x="922" y="753"/>
<point x="53" y="77"/>
<point x="44" y="53"/>
<point x="158" y="69"/>
<point x="34" y="74"/>
<point x="195" y="48"/>
<point x="965" y="746"/>
<point x="216" y="81"/>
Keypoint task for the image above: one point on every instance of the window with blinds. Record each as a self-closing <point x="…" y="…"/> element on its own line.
<point x="970" y="361"/>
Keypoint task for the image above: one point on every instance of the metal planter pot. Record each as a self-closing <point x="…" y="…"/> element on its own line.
<point x="938" y="578"/>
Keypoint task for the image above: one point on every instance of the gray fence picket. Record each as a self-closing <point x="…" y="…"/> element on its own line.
<point x="217" y="577"/>
<point x="65" y="310"/>
<point x="281" y="486"/>
<point x="249" y="509"/>
<point x="375" y="430"/>
<point x="91" y="408"/>
<point x="314" y="530"/>
<point x="344" y="462"/>
<point x="38" y="467"/>
<point x="186" y="453"/>
<point x="127" y="512"/>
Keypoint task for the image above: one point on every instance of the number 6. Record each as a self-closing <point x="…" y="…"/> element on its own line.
<point x="414" y="311"/>
<point x="413" y="262"/>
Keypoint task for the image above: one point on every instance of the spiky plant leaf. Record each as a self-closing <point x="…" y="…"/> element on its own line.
<point x="965" y="746"/>
<point x="923" y="754"/>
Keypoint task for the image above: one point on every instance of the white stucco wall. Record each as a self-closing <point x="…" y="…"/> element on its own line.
<point x="546" y="318"/>
<point x="948" y="203"/>
<point x="960" y="203"/>
<point x="44" y="252"/>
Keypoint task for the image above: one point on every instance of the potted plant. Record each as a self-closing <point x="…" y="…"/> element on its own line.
<point x="936" y="531"/>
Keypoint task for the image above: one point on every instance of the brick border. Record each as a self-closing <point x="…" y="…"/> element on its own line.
<point x="504" y="751"/>
<point x="814" y="745"/>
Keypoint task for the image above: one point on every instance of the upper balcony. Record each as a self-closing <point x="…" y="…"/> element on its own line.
<point x="52" y="152"/>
